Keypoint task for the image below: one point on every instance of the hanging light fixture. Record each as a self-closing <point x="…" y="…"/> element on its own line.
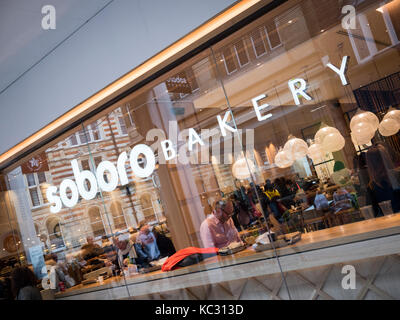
<point x="330" y="139"/>
<point x="388" y="127"/>
<point x="393" y="114"/>
<point x="240" y="168"/>
<point x="364" y="116"/>
<point x="323" y="132"/>
<point x="296" y="148"/>
<point x="315" y="152"/>
<point x="363" y="132"/>
<point x="283" y="159"/>
<point x="333" y="142"/>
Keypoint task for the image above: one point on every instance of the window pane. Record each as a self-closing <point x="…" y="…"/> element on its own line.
<point x="229" y="61"/>
<point x="43" y="189"/>
<point x="97" y="160"/>
<point x="241" y="53"/>
<point x="41" y="177"/>
<point x="85" y="164"/>
<point x="118" y="216"/>
<point x="122" y="125"/>
<point x="95" y="130"/>
<point x="31" y="179"/>
<point x="258" y="43"/>
<point x="72" y="140"/>
<point x="273" y="35"/>
<point x="34" y="197"/>
<point x="96" y="222"/>
<point x="83" y="136"/>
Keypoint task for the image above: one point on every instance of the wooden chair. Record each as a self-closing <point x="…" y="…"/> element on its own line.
<point x="313" y="220"/>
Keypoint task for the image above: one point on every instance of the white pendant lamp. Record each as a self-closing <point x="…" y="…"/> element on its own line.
<point x="240" y="168"/>
<point x="330" y="139"/>
<point x="296" y="148"/>
<point x="283" y="159"/>
<point x="363" y="132"/>
<point x="323" y="132"/>
<point x="389" y="127"/>
<point x="393" y="114"/>
<point x="364" y="116"/>
<point x="333" y="142"/>
<point x="315" y="152"/>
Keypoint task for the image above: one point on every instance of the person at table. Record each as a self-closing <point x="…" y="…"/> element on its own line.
<point x="342" y="200"/>
<point x="273" y="196"/>
<point x="321" y="204"/>
<point x="218" y="229"/>
<point x="127" y="249"/>
<point x="383" y="183"/>
<point x="149" y="242"/>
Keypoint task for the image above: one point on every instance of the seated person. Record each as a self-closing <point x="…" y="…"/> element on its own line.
<point x="128" y="249"/>
<point x="218" y="229"/>
<point x="164" y="243"/>
<point x="148" y="240"/>
<point x="342" y="200"/>
<point x="320" y="201"/>
<point x="273" y="196"/>
<point x="321" y="204"/>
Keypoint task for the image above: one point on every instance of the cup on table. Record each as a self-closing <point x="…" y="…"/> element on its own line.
<point x="367" y="212"/>
<point x="126" y="272"/>
<point x="386" y="207"/>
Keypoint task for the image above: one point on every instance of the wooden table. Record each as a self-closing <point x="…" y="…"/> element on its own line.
<point x="360" y="240"/>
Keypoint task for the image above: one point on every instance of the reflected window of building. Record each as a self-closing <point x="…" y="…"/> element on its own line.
<point x="91" y="133"/>
<point x="36" y="183"/>
<point x="96" y="222"/>
<point x="147" y="206"/>
<point x="258" y="43"/>
<point x="118" y="215"/>
<point x="53" y="225"/>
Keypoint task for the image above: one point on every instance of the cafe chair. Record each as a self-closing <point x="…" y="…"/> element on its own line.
<point x="313" y="220"/>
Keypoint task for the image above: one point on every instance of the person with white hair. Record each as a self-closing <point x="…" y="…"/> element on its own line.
<point x="128" y="249"/>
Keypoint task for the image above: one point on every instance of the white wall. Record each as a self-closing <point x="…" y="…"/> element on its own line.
<point x="123" y="35"/>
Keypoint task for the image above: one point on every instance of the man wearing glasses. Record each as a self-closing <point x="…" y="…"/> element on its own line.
<point x="218" y="229"/>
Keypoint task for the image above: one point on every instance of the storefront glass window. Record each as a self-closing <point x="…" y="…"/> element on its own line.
<point x="259" y="149"/>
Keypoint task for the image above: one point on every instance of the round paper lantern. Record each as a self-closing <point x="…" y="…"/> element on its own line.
<point x="364" y="116"/>
<point x="296" y="148"/>
<point x="393" y="114"/>
<point x="323" y="132"/>
<point x="315" y="152"/>
<point x="240" y="168"/>
<point x="283" y="159"/>
<point x="363" y="132"/>
<point x="333" y="142"/>
<point x="389" y="127"/>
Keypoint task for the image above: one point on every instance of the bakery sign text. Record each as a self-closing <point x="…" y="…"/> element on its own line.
<point x="118" y="174"/>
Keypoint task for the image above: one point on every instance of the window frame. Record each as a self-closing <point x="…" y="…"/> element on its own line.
<point x="37" y="186"/>
<point x="253" y="45"/>
<point x="90" y="132"/>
